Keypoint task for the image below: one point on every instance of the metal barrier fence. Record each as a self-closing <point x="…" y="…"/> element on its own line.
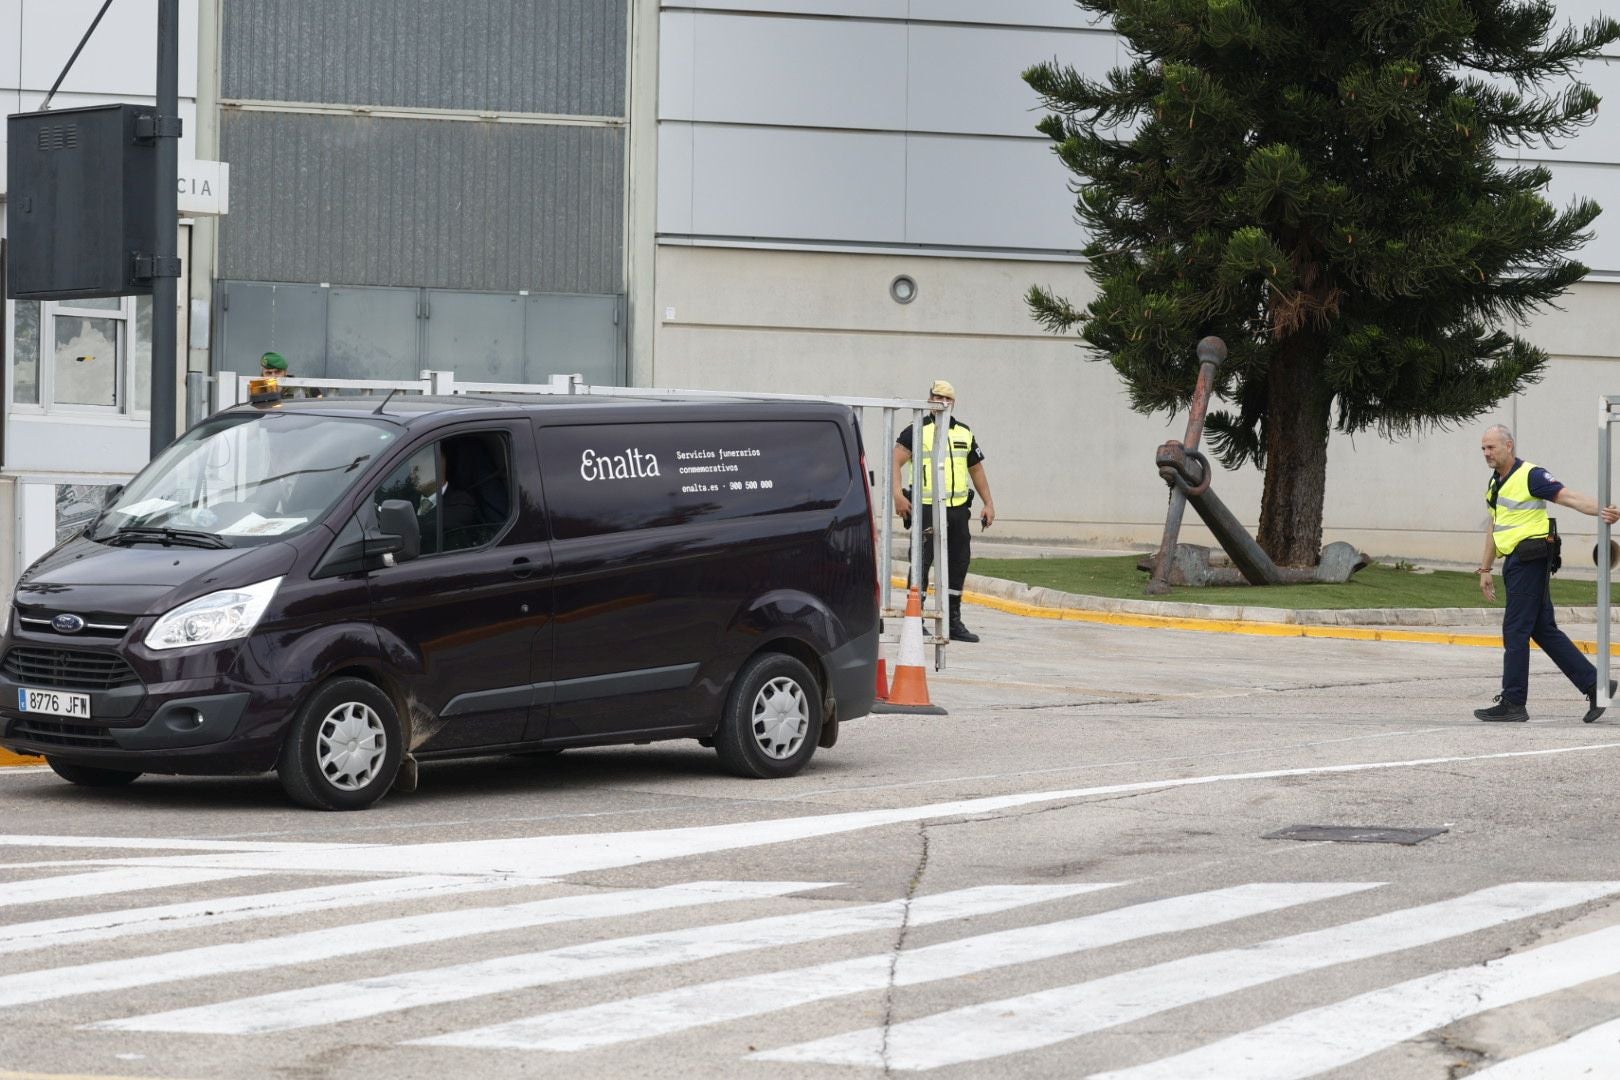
<point x="880" y="413"/>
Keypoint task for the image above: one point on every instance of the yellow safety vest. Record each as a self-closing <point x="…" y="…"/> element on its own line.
<point x="1517" y="515"/>
<point x="956" y="464"/>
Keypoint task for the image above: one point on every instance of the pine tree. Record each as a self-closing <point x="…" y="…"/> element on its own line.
<point x="1321" y="185"/>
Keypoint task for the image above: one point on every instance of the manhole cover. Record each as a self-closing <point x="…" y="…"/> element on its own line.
<point x="1354" y="834"/>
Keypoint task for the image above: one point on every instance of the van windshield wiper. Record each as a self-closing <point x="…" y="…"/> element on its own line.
<point x="141" y="534"/>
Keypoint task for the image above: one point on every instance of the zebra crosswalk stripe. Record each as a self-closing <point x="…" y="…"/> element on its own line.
<point x="319" y="1005"/>
<point x="131" y="922"/>
<point x="1316" y="1040"/>
<point x="710" y="1003"/>
<point x="106" y="882"/>
<point x="997" y="1028"/>
<point x="1579" y="1055"/>
<point x="318" y="945"/>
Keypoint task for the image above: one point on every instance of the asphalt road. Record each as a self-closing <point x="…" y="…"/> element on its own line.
<point x="1066" y="876"/>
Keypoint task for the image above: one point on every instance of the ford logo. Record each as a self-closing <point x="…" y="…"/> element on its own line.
<point x="67" y="624"/>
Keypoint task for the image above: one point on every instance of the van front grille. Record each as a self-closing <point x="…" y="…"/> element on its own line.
<point x="52" y="733"/>
<point x="66" y="669"/>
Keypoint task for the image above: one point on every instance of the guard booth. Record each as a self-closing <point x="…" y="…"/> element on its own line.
<point x="881" y="421"/>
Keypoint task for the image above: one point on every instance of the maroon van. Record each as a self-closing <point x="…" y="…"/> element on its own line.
<point x="335" y="590"/>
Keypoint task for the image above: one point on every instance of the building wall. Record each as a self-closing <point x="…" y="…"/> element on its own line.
<point x="812" y="150"/>
<point x="477" y="147"/>
<point x="55" y="452"/>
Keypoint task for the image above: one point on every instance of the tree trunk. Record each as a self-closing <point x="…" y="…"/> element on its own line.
<point x="1297" y="415"/>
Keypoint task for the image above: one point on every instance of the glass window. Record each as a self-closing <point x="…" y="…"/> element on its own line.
<point x="86" y="367"/>
<point x="245" y="479"/>
<point x="99" y="303"/>
<point x="25" y="353"/>
<point x="417" y="482"/>
<point x="142" y="349"/>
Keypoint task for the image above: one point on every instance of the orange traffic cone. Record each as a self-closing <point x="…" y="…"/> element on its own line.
<point x="883" y="680"/>
<point x="909" y="692"/>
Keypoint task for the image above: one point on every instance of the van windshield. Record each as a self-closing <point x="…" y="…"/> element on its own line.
<point x="239" y="480"/>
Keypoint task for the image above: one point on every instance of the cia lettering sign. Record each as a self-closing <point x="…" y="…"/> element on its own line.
<point x="204" y="188"/>
<point x="67" y="624"/>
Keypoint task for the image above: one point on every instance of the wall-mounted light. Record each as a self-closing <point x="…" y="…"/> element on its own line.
<point x="903" y="289"/>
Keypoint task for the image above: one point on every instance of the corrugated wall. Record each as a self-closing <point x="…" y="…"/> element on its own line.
<point x="433" y="203"/>
<point x="323" y="194"/>
<point x="554" y="56"/>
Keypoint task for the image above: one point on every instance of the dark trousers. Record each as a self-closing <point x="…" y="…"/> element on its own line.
<point x="1529" y="617"/>
<point x="959" y="538"/>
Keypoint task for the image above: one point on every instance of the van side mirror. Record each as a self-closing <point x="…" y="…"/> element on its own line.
<point x="399" y="533"/>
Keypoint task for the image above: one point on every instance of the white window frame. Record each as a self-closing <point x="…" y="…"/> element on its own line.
<point x="124" y="376"/>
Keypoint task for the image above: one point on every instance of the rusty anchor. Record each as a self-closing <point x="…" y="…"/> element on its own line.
<point x="1189" y="474"/>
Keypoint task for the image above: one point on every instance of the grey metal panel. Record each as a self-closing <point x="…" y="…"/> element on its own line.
<point x="988" y="193"/>
<point x="1571" y="182"/>
<point x="431" y="203"/>
<point x="1581" y="12"/>
<point x="1004" y="12"/>
<point x="983" y="12"/>
<point x="256" y="318"/>
<point x="1601" y="140"/>
<point x="871" y="9"/>
<point x="677" y="62"/>
<point x="560" y="56"/>
<point x="967" y="78"/>
<point x="805" y="72"/>
<point x="783" y="183"/>
<point x="674" y="177"/>
<point x="479" y="336"/>
<point x="569" y="334"/>
<point x="373" y="334"/>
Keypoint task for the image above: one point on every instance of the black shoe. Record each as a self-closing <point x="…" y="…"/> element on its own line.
<point x="1593" y="710"/>
<point x="1503" y="710"/>
<point x="960" y="632"/>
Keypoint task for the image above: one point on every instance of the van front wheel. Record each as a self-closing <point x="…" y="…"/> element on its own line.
<point x="343" y="748"/>
<point x="772" y="720"/>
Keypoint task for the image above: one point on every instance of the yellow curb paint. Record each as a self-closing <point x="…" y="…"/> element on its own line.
<point x="8" y="758"/>
<point x="1253" y="629"/>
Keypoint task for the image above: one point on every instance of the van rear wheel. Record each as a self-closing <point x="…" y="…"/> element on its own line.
<point x="343" y="749"/>
<point x="89" y="775"/>
<point x="772" y="720"/>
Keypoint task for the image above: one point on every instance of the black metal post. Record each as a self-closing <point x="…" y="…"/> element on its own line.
<point x="165" y="282"/>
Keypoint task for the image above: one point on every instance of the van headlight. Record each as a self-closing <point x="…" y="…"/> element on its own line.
<point x="208" y="620"/>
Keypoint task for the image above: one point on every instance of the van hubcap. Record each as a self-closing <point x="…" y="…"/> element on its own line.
<point x="781" y="718"/>
<point x="351" y="746"/>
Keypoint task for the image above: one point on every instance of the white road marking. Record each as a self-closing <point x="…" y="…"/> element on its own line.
<point x="732" y="999"/>
<point x="1012" y="1025"/>
<point x="73" y="929"/>
<point x="1593" y="1053"/>
<point x="319" y="1005"/>
<point x="105" y="882"/>
<point x="320" y="945"/>
<point x="1320" y="1039"/>
<point x="581" y="853"/>
<point x="134" y="843"/>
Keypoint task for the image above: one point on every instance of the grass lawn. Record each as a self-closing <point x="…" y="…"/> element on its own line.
<point x="1377" y="586"/>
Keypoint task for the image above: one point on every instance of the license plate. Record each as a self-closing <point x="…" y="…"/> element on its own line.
<point x="54" y="703"/>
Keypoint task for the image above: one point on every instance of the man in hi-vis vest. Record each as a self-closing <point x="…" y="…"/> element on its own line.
<point x="964" y="465"/>
<point x="1517" y="494"/>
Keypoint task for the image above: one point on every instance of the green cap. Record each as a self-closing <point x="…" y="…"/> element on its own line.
<point x="274" y="361"/>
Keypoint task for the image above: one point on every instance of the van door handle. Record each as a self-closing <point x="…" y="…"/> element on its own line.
<point x="522" y="567"/>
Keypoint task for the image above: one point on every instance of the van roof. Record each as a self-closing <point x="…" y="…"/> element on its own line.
<point x="425" y="410"/>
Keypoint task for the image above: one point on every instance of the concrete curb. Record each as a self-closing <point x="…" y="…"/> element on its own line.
<point x="1036" y="596"/>
<point x="1051" y="604"/>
